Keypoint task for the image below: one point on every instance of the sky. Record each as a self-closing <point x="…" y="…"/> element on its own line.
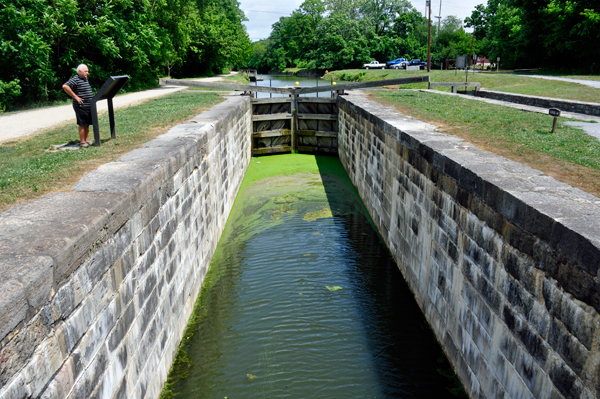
<point x="262" y="14"/>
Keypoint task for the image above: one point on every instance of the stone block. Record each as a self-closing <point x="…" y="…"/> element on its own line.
<point x="107" y="386"/>
<point x="35" y="274"/>
<point x="13" y="306"/>
<point x="121" y="328"/>
<point x="64" y="380"/>
<point x="67" y="226"/>
<point x="46" y="360"/>
<point x="15" y="353"/>
<point x="91" y="377"/>
<point x="63" y="302"/>
<point x="17" y="389"/>
<point x="565" y="380"/>
<point x="94" y="339"/>
<point x="103" y="292"/>
<point x="135" y="181"/>
<point x="567" y="347"/>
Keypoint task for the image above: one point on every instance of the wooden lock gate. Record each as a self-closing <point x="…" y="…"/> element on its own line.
<point x="294" y="123"/>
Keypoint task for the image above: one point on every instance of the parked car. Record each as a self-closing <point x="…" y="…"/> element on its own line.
<point x="373" y="65"/>
<point x="419" y="63"/>
<point x="397" y="63"/>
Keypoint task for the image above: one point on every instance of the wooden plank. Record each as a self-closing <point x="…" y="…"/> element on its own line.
<point x="317" y="149"/>
<point x="317" y="100"/>
<point x="321" y="117"/>
<point x="272" y="133"/>
<point x="271" y="117"/>
<point x="291" y="90"/>
<point x="276" y="100"/>
<point x="362" y="85"/>
<point x="317" y="133"/>
<point x="460" y="84"/>
<point x="272" y="150"/>
<point x="224" y="86"/>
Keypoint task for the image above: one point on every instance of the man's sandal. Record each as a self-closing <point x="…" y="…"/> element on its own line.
<point x="83" y="145"/>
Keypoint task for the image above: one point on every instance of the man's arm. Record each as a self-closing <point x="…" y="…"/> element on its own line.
<point x="70" y="93"/>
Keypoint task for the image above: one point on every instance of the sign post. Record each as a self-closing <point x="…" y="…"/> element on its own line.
<point x="107" y="92"/>
<point x="497" y="64"/>
<point x="555" y="112"/>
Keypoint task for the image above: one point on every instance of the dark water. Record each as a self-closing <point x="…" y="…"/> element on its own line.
<point x="303" y="300"/>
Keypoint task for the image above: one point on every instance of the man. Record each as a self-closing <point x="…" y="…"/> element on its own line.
<point x="80" y="90"/>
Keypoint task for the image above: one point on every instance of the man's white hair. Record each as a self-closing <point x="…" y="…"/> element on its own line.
<point x="80" y="67"/>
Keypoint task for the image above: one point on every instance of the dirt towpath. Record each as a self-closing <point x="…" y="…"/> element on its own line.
<point x="15" y="125"/>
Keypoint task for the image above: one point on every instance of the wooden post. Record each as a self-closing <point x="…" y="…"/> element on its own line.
<point x="429" y="41"/>
<point x="554" y="112"/>
<point x="294" y="123"/>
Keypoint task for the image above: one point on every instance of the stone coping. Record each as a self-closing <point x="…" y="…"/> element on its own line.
<point x="44" y="241"/>
<point x="559" y="215"/>
<point x="581" y="107"/>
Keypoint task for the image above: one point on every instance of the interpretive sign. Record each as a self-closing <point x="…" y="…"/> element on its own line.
<point x="461" y="62"/>
<point x="108" y="90"/>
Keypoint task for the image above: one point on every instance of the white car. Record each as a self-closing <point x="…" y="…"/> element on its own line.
<point x="373" y="65"/>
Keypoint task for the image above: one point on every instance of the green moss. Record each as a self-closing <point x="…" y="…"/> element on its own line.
<point x="321" y="214"/>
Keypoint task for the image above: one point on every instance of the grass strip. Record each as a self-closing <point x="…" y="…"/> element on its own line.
<point x="570" y="155"/>
<point x="29" y="171"/>
<point x="489" y="80"/>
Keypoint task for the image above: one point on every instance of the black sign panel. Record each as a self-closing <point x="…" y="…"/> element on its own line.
<point x="111" y="87"/>
<point x="554" y="112"/>
<point x="108" y="90"/>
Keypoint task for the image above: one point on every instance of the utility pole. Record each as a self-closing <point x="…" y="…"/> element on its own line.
<point x="439" y="17"/>
<point x="429" y="40"/>
<point x="472" y="41"/>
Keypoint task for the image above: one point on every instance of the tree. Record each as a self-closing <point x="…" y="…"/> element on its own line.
<point x="42" y="41"/>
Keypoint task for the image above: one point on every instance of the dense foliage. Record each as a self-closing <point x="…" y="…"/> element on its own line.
<point x="336" y="34"/>
<point x="557" y="34"/>
<point x="42" y="41"/>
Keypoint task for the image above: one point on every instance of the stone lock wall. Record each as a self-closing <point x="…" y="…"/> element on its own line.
<point x="579" y="107"/>
<point x="502" y="260"/>
<point x="98" y="283"/>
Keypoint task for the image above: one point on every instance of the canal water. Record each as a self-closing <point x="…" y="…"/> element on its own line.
<point x="290" y="81"/>
<point x="303" y="299"/>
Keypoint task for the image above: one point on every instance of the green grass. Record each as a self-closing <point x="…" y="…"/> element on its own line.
<point x="571" y="155"/>
<point x="563" y="75"/>
<point x="489" y="80"/>
<point x="28" y="171"/>
<point x="235" y="78"/>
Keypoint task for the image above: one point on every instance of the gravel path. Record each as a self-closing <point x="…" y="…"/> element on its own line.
<point x="27" y="123"/>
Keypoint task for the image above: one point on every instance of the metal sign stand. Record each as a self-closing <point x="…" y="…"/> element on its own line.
<point x="107" y="92"/>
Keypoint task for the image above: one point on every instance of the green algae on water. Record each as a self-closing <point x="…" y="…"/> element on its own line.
<point x="264" y="200"/>
<point x="321" y="214"/>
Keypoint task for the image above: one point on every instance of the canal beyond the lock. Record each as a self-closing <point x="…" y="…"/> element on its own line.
<point x="303" y="299"/>
<point x="290" y="81"/>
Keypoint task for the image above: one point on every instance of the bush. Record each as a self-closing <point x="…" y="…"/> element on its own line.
<point x="8" y="93"/>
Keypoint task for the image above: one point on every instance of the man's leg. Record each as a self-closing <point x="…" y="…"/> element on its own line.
<point x="83" y="133"/>
<point x="86" y="133"/>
